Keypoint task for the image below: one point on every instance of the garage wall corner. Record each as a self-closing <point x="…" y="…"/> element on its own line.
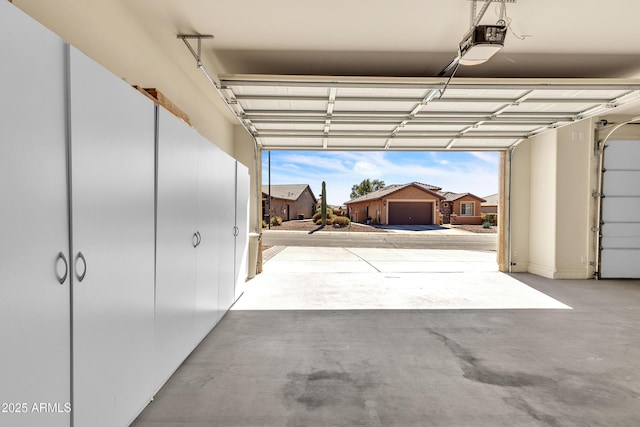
<point x="518" y="206"/>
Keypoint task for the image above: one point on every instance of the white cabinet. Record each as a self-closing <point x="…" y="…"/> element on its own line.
<point x="34" y="236"/>
<point x="195" y="250"/>
<point x="226" y="172"/>
<point x="112" y="175"/>
<point x="118" y="251"/>
<point x="177" y="241"/>
<point x="208" y="311"/>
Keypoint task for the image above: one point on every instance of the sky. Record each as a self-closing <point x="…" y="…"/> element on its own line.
<point x="459" y="172"/>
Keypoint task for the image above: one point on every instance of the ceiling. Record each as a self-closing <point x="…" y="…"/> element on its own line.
<point x="416" y="38"/>
<point x="362" y="74"/>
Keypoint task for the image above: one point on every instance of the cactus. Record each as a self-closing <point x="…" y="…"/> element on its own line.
<point x="323" y="209"/>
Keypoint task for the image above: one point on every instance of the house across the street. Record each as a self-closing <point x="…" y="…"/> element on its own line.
<point x="491" y="204"/>
<point x="292" y="201"/>
<point x="415" y="203"/>
<point x="464" y="207"/>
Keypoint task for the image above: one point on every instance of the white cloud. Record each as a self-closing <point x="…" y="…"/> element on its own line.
<point x="489" y="157"/>
<point x="366" y="169"/>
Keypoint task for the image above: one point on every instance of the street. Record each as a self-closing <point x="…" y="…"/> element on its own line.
<point x="409" y="240"/>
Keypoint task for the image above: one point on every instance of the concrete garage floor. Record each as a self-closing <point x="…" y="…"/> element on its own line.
<point x="421" y="358"/>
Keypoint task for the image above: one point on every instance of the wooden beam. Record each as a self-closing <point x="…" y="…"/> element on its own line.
<point x="156" y="96"/>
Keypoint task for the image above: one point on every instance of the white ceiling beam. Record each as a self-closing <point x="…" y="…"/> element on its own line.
<point x="431" y="83"/>
<point x="425" y="121"/>
<point x="386" y="136"/>
<point x="372" y="115"/>
<point x="444" y="99"/>
<point x="412" y="148"/>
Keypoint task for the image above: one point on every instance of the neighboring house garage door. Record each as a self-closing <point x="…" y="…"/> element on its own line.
<point x="406" y="213"/>
<point x="620" y="244"/>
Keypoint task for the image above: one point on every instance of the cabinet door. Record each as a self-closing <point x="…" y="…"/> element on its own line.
<point x="226" y="172"/>
<point x="34" y="307"/>
<point x="176" y="244"/>
<point x="112" y="146"/>
<point x="242" y="227"/>
<point x="209" y="227"/>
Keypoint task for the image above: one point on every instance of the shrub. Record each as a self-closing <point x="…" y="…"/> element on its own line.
<point x="492" y="218"/>
<point x="341" y="221"/>
<point x="264" y="224"/>
<point x="317" y="216"/>
<point x="318" y="220"/>
<point x="276" y="220"/>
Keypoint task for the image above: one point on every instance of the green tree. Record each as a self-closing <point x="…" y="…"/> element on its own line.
<point x="365" y="187"/>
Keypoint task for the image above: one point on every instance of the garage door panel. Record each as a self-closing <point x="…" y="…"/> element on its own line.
<point x="410" y="213"/>
<point x="621" y="236"/>
<point x="620" y="241"/>
<point x="622" y="183"/>
<point x="620" y="263"/>
<point x="622" y="154"/>
<point x="621" y="209"/>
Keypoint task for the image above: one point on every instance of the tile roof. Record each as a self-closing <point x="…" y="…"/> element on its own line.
<point x="491" y="200"/>
<point x="378" y="194"/>
<point x="452" y="197"/>
<point x="287" y="191"/>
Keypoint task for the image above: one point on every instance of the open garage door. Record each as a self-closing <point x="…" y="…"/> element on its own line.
<point x="410" y="213"/>
<point x="620" y="242"/>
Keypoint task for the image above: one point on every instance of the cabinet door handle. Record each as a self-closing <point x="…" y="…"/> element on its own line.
<point x="236" y="231"/>
<point x="84" y="265"/>
<point x="199" y="237"/>
<point x="194" y="240"/>
<point x="66" y="268"/>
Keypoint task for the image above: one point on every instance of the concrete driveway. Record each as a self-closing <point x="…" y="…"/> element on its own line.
<point x="312" y="278"/>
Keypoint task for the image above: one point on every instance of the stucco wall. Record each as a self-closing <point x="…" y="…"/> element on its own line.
<point x="279" y="208"/>
<point x="303" y="206"/>
<point x="130" y="52"/>
<point x="575" y="205"/>
<point x="457" y="205"/>
<point x="359" y="210"/>
<point x="518" y="200"/>
<point x="410" y="193"/>
<point x="551" y="205"/>
<point x="542" y="205"/>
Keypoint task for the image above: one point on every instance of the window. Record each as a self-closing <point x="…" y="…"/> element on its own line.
<point x="466" y="208"/>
